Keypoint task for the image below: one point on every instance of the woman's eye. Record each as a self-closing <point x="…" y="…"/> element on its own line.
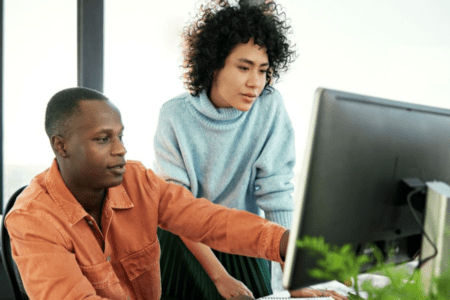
<point x="243" y="68"/>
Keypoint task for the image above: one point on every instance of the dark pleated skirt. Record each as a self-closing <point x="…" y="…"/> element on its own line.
<point x="183" y="277"/>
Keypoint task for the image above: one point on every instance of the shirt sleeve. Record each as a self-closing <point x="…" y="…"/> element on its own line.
<point x="48" y="269"/>
<point x="169" y="163"/>
<point x="274" y="169"/>
<point x="227" y="230"/>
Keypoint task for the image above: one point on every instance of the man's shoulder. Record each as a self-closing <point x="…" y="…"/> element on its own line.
<point x="138" y="178"/>
<point x="36" y="190"/>
<point x="134" y="165"/>
<point x="35" y="202"/>
<point x="135" y="170"/>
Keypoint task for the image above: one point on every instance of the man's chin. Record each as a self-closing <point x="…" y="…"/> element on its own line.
<point x="117" y="182"/>
<point x="112" y="183"/>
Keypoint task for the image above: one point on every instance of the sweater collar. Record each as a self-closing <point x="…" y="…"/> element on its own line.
<point x="205" y="107"/>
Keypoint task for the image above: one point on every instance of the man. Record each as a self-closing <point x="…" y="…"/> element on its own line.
<point x="86" y="227"/>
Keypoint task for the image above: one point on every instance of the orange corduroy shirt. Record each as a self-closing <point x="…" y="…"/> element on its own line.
<point x="62" y="254"/>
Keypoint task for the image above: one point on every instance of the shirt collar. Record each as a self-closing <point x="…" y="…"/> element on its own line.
<point x="116" y="197"/>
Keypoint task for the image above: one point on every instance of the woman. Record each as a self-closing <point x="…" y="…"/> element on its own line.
<point x="229" y="140"/>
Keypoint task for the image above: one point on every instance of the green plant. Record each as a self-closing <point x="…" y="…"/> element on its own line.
<point x="342" y="264"/>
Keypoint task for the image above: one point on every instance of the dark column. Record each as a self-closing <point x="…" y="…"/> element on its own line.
<point x="90" y="44"/>
<point x="1" y="103"/>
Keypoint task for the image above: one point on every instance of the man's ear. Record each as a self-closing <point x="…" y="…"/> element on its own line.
<point x="59" y="145"/>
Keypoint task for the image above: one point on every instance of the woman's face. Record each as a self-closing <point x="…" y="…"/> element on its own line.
<point x="239" y="83"/>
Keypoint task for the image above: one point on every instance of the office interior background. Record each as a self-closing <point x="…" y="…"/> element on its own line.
<point x="394" y="49"/>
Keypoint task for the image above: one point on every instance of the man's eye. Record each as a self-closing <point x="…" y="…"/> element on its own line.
<point x="103" y="139"/>
<point x="243" y="68"/>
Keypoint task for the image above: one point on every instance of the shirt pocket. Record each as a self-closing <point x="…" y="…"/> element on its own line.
<point x="142" y="269"/>
<point x="104" y="280"/>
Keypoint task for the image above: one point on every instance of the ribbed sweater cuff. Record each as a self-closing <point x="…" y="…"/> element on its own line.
<point x="282" y="217"/>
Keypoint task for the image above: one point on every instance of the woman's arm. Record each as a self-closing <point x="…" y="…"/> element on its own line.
<point x="226" y="285"/>
<point x="170" y="165"/>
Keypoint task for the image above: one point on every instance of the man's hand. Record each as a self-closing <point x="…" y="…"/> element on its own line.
<point x="228" y="287"/>
<point x="283" y="244"/>
<point x="307" y="292"/>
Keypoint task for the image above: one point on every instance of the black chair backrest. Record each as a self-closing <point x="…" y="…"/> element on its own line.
<point x="11" y="269"/>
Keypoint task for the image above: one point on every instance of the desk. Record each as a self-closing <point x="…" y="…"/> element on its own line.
<point x="338" y="287"/>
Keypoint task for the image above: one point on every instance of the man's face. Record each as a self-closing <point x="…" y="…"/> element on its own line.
<point x="95" y="151"/>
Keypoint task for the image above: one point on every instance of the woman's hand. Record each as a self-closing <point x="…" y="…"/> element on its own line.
<point x="242" y="297"/>
<point x="228" y="287"/>
<point x="307" y="292"/>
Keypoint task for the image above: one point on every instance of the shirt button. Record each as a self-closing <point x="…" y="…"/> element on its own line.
<point x="257" y="188"/>
<point x="90" y="223"/>
<point x="108" y="258"/>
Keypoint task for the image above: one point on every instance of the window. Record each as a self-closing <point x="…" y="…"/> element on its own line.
<point x="40" y="58"/>
<point x="142" y="59"/>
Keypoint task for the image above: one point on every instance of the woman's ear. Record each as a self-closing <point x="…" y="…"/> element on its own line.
<point x="59" y="145"/>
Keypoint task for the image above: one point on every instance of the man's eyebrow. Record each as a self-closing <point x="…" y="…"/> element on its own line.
<point x="245" y="60"/>
<point x="108" y="130"/>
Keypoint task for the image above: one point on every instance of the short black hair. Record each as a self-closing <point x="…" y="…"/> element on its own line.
<point x="219" y="27"/>
<point x="63" y="105"/>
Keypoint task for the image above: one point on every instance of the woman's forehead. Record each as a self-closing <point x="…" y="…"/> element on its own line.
<point x="250" y="52"/>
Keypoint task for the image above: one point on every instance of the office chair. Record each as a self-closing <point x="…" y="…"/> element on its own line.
<point x="11" y="269"/>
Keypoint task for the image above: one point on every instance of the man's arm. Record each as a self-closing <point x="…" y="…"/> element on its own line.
<point x="227" y="230"/>
<point x="283" y="244"/>
<point x="301" y="293"/>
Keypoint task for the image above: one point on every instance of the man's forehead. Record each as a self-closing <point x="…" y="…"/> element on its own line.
<point x="95" y="113"/>
<point x="95" y="103"/>
<point x="97" y="108"/>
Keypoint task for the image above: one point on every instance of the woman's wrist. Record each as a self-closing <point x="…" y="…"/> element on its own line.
<point x="218" y="275"/>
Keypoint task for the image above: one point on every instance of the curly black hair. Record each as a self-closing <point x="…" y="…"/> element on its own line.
<point x="219" y="27"/>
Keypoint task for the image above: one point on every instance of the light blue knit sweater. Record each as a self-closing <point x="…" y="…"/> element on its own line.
<point x="238" y="159"/>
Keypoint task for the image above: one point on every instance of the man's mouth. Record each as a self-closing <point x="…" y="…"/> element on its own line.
<point x="118" y="169"/>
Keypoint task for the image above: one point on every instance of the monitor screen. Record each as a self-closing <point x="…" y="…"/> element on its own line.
<point x="358" y="151"/>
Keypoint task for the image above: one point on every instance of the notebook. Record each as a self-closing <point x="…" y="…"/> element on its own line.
<point x="275" y="297"/>
<point x="286" y="295"/>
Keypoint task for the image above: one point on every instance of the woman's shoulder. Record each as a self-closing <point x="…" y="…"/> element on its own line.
<point x="176" y="101"/>
<point x="174" y="108"/>
<point x="271" y="100"/>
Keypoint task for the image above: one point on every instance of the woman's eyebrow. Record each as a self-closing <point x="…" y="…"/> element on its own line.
<point x="245" y="60"/>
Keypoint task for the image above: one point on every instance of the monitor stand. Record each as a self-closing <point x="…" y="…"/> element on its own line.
<point x="437" y="226"/>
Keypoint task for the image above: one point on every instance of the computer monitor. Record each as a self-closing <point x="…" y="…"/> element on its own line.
<point x="358" y="151"/>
